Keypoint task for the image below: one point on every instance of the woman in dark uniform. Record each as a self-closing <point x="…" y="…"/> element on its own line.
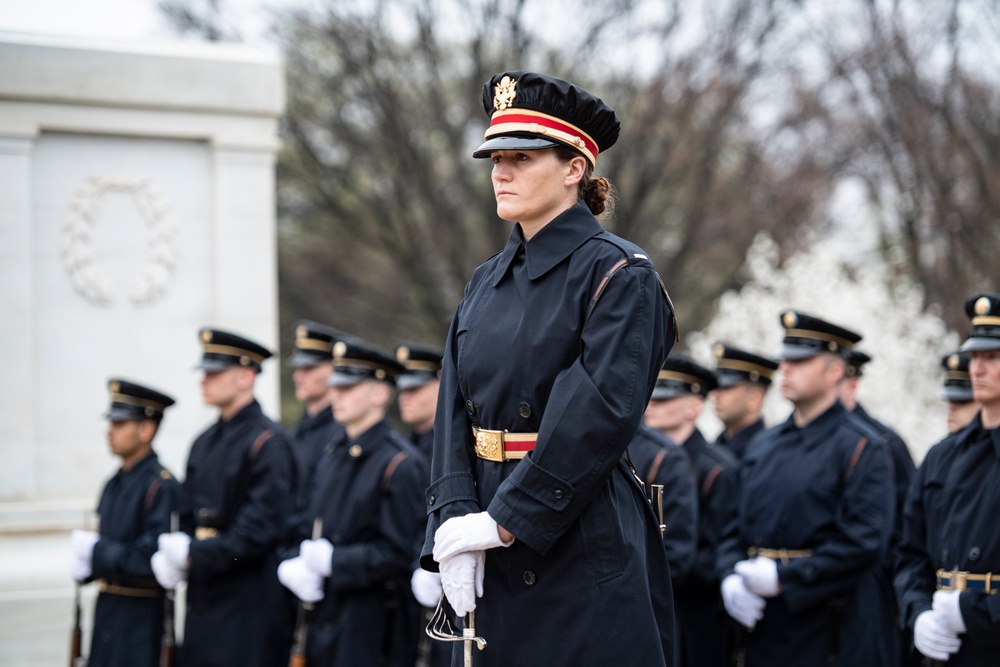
<point x="534" y="519"/>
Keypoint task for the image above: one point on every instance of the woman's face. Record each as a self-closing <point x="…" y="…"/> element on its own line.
<point x="533" y="187"/>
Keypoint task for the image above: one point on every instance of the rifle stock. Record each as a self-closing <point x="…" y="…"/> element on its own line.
<point x="168" y="642"/>
<point x="76" y="636"/>
<point x="301" y="637"/>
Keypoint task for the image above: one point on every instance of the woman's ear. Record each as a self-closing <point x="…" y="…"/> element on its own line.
<point x="576" y="168"/>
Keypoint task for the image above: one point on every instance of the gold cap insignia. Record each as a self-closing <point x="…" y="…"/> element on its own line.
<point x="402" y="354"/>
<point x="206" y="336"/>
<point x="339" y="349"/>
<point x="115" y="387"/>
<point x="355" y="451"/>
<point x="505" y="94"/>
<point x="982" y="305"/>
<point x="953" y="362"/>
<point x="789" y="319"/>
<point x="719" y="350"/>
<point x="302" y="332"/>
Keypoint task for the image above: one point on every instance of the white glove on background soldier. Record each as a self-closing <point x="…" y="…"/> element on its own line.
<point x="760" y="575"/>
<point x="170" y="563"/>
<point x="472" y="532"/>
<point x="933" y="639"/>
<point x="462" y="580"/>
<point x="167" y="574"/>
<point x="948" y="611"/>
<point x="81" y="553"/>
<point x="318" y="555"/>
<point x="426" y="587"/>
<point x="744" y="606"/>
<point x="297" y="577"/>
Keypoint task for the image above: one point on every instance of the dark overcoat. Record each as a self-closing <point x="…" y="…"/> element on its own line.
<point x="586" y="581"/>
<point x="309" y="437"/>
<point x="737" y="445"/>
<point x="134" y="509"/>
<point x="240" y="491"/>
<point x="950" y="522"/>
<point x="825" y="487"/>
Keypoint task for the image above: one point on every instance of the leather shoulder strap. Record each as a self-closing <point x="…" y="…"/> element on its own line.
<point x="654" y="467"/>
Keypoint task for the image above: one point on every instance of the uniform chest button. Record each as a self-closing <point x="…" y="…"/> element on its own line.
<point x="430" y="501"/>
<point x="355" y="451"/>
<point x="524" y="410"/>
<point x="557" y="493"/>
<point x="470" y="407"/>
<point x="529" y="578"/>
<point x="974" y="553"/>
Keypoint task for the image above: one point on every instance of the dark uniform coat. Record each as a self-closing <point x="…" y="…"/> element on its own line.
<point x="240" y="482"/>
<point x="738" y="444"/>
<point x="309" y="437"/>
<point x="825" y="487"/>
<point x="703" y="621"/>
<point x="424" y="442"/>
<point x="950" y="522"/>
<point x="586" y="581"/>
<point x="135" y="508"/>
<point x="369" y="493"/>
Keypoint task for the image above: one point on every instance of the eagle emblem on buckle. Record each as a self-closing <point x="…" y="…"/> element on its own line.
<point x="489" y="445"/>
<point x="505" y="93"/>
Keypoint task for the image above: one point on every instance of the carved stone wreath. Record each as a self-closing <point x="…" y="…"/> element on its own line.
<point x="78" y="255"/>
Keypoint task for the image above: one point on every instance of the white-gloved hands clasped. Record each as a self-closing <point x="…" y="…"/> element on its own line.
<point x="933" y="639"/>
<point x="170" y="563"/>
<point x="426" y="587"/>
<point x="760" y="575"/>
<point x="948" y="611"/>
<point x="462" y="580"/>
<point x="318" y="555"/>
<point x="81" y="553"/>
<point x="300" y="579"/>
<point x="472" y="532"/>
<point x="740" y="603"/>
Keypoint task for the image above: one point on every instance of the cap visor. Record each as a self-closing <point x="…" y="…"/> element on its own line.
<point x="121" y="415"/>
<point x="213" y="365"/>
<point x="796" y="352"/>
<point x="979" y="344"/>
<point x="726" y="380"/>
<point x="404" y="382"/>
<point x="957" y="394"/>
<point x="302" y="360"/>
<point x="666" y="393"/>
<point x="345" y="380"/>
<point x="513" y="143"/>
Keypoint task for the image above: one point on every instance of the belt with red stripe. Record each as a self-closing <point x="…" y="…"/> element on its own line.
<point x="500" y="446"/>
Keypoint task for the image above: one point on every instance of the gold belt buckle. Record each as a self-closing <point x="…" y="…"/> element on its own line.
<point x="205" y="533"/>
<point x="489" y="444"/>
<point x="959" y="580"/>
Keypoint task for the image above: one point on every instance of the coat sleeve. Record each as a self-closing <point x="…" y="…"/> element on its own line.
<point x="113" y="558"/>
<point x="862" y="527"/>
<point x="261" y="519"/>
<point x="914" y="580"/>
<point x="718" y="508"/>
<point x="358" y="565"/>
<point x="680" y="514"/>
<point x="593" y="411"/>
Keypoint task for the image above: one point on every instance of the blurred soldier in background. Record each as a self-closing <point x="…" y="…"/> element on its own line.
<point x="800" y="560"/>
<point x="741" y="381"/>
<point x="949" y="566"/>
<point x="957" y="391"/>
<point x="368" y="493"/>
<point x="134" y="509"/>
<point x="677" y="400"/>
<point x="237" y="498"/>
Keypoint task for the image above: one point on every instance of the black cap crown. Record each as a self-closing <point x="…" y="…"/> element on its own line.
<point x="984" y="311"/>
<point x="957" y="381"/>
<point x="681" y="376"/>
<point x="856" y="361"/>
<point x="356" y="360"/>
<point x="806" y="336"/>
<point x="133" y="401"/>
<point x="422" y="365"/>
<point x="735" y="366"/>
<point x="530" y="111"/>
<point x="313" y="344"/>
<point x="222" y="349"/>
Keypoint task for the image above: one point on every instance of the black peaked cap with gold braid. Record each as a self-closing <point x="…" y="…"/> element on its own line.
<point x="856" y="361"/>
<point x="984" y="311"/>
<point x="356" y="360"/>
<point x="531" y="111"/>
<point x="422" y="364"/>
<point x="735" y="366"/>
<point x="132" y="401"/>
<point x="807" y="335"/>
<point x="223" y="349"/>
<point x="957" y="381"/>
<point x="313" y="344"/>
<point x="681" y="376"/>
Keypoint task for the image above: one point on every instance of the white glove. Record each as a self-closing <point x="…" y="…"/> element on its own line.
<point x="426" y="587"/>
<point x="760" y="575"/>
<point x="462" y="580"/>
<point x="948" y="612"/>
<point x="167" y="574"/>
<point x="932" y="639"/>
<point x="740" y="603"/>
<point x="317" y="555"/>
<point x="297" y="577"/>
<point x="81" y="553"/>
<point x="175" y="546"/>
<point x="472" y="532"/>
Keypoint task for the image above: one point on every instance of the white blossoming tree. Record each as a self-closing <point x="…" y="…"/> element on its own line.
<point x="901" y="384"/>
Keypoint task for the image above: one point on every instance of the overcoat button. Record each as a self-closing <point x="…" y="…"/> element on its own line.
<point x="430" y="501"/>
<point x="470" y="407"/>
<point x="529" y="578"/>
<point x="974" y="553"/>
<point x="524" y="410"/>
<point x="558" y="493"/>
